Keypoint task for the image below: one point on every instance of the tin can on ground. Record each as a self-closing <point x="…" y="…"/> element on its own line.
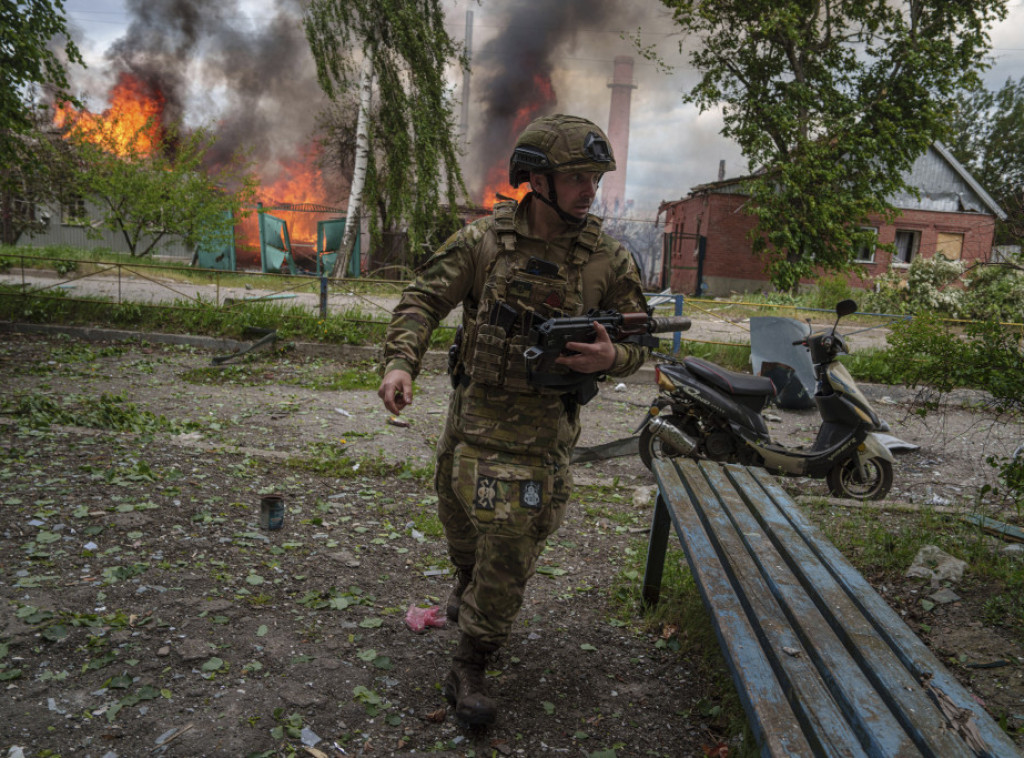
<point x="271" y="511"/>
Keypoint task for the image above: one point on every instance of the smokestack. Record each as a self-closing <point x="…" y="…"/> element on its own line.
<point x="721" y="170"/>
<point x="622" y="86"/>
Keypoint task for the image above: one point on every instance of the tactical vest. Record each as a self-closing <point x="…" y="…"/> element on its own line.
<point x="518" y="293"/>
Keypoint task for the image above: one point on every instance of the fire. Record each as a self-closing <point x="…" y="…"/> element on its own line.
<point x="298" y="182"/>
<point x="496" y="185"/>
<point x="131" y="126"/>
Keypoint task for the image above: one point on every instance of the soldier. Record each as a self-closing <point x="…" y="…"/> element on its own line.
<point x="502" y="471"/>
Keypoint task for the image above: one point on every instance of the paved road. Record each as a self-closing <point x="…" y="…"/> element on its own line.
<point x="719" y="326"/>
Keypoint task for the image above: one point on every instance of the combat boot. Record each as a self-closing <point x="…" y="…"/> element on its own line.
<point x="462" y="579"/>
<point x="464" y="688"/>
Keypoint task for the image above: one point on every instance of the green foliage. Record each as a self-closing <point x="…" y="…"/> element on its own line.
<point x="832" y="103"/>
<point x="873" y="540"/>
<point x="28" y="31"/>
<point x="929" y="287"/>
<point x="985" y="355"/>
<point x="33" y="40"/>
<point x="413" y="164"/>
<point x="829" y="291"/>
<point x="734" y="357"/>
<point x="191" y="317"/>
<point x="149" y="193"/>
<point x="987" y="136"/>
<point x="112" y="412"/>
<point x="995" y="292"/>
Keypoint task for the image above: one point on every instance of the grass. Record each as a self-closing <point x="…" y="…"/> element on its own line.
<point x="353" y="327"/>
<point x="253" y="371"/>
<point x="876" y="541"/>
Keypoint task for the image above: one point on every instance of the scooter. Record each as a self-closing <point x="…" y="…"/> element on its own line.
<point x="705" y="411"/>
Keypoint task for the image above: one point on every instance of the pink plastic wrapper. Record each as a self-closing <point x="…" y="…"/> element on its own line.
<point x="418" y="619"/>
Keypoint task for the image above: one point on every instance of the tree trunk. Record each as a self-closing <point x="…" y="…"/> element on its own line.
<point x="355" y="197"/>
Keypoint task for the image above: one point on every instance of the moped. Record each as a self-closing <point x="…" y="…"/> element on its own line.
<point x="706" y="411"/>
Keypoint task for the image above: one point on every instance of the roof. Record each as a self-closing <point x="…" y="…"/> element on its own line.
<point x="943" y="184"/>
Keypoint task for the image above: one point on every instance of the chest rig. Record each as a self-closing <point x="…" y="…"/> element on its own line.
<point x="520" y="291"/>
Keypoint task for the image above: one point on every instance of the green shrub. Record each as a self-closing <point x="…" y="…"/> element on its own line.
<point x="929" y="287"/>
<point x="994" y="293"/>
<point x="829" y="290"/>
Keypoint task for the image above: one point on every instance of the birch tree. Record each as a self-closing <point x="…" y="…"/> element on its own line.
<point x="831" y="102"/>
<point x="407" y="50"/>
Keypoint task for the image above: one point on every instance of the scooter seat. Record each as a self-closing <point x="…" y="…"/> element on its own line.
<point x="730" y="382"/>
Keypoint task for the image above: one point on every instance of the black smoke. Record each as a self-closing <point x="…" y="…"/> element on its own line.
<point x="252" y="80"/>
<point x="509" y="71"/>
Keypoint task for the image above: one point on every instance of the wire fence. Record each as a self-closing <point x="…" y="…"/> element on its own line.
<point x="174" y="285"/>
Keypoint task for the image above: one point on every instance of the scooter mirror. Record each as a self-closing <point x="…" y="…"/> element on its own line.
<point x="845" y="308"/>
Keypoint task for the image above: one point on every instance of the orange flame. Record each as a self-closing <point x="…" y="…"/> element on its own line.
<point x="496" y="184"/>
<point x="299" y="181"/>
<point x="131" y="126"/>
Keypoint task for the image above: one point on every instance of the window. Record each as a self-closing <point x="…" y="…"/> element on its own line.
<point x="906" y="243"/>
<point x="866" y="252"/>
<point x="73" y="211"/>
<point x="949" y="246"/>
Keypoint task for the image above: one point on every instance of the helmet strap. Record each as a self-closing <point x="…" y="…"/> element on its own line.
<point x="552" y="202"/>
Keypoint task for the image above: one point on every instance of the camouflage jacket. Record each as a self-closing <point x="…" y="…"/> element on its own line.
<point x="455" y="275"/>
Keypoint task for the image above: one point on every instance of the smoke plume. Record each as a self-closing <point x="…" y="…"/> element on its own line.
<point x="253" y="81"/>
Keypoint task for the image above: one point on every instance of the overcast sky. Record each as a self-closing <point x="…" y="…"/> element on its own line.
<point x="672" y="147"/>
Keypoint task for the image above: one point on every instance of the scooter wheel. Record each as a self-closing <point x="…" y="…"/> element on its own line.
<point x="652" y="446"/>
<point x="844" y="481"/>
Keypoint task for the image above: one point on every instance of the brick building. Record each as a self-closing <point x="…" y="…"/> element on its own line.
<point x="708" y="248"/>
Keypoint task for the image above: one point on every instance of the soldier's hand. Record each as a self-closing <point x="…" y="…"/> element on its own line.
<point x="591" y="357"/>
<point x="396" y="390"/>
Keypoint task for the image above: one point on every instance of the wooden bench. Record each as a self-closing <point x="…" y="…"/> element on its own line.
<point x="823" y="666"/>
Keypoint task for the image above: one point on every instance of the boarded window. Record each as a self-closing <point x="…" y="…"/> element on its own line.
<point x="949" y="246"/>
<point x="906" y="243"/>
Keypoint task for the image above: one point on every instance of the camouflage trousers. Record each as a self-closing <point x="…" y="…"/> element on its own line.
<point x="503" y="483"/>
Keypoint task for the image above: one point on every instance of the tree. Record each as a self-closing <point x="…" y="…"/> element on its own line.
<point x="411" y="149"/>
<point x="831" y="102"/>
<point x="148" y="195"/>
<point x="988" y="138"/>
<point x="27" y="32"/>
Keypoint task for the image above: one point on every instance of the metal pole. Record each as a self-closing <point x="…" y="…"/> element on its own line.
<point x="323" y="297"/>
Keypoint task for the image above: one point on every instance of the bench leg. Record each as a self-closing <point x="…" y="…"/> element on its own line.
<point x="656" y="548"/>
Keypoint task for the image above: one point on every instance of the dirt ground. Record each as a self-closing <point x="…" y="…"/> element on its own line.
<point x="145" y="612"/>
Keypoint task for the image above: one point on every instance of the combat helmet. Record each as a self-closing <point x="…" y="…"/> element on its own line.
<point x="560" y="143"/>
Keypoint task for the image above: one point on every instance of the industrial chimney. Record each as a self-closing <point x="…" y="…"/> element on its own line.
<point x="621" y="85"/>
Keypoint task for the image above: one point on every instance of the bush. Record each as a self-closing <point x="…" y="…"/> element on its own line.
<point x="929" y="287"/>
<point x="994" y="293"/>
<point x="829" y="290"/>
<point x="984" y="356"/>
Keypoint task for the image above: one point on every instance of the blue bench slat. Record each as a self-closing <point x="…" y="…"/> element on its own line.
<point x="910" y="650"/>
<point x="900" y="691"/>
<point x="775" y="725"/>
<point x="789" y="619"/>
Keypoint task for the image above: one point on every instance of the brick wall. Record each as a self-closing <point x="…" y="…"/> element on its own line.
<point x="729" y="264"/>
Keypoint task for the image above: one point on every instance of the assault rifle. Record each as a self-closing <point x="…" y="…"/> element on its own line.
<point x="549" y="340"/>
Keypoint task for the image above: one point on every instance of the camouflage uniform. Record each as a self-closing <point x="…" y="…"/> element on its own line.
<point x="502" y="474"/>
